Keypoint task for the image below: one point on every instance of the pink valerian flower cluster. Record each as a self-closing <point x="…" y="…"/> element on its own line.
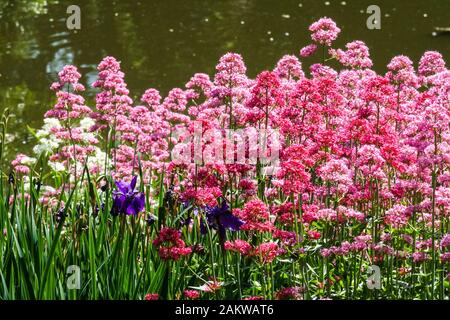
<point x="191" y="294"/>
<point x="212" y="285"/>
<point x="337" y="173"/>
<point x="143" y="130"/>
<point x="289" y="67"/>
<point x="266" y="95"/>
<point x="145" y="134"/>
<point x="308" y="50"/>
<point x="113" y="100"/>
<point x="324" y="31"/>
<point x="203" y="196"/>
<point x="199" y="85"/>
<point x="445" y="246"/>
<point x="445" y="257"/>
<point x="396" y="216"/>
<point x="356" y="56"/>
<point x="401" y="72"/>
<point x="420" y="256"/>
<point x="430" y="64"/>
<point x="256" y="216"/>
<point x="314" y="235"/>
<point x="169" y="244"/>
<point x="359" y="244"/>
<point x="342" y="214"/>
<point x="151" y="296"/>
<point x="240" y="246"/>
<point x="69" y="105"/>
<point x="291" y="293"/>
<point x="69" y="75"/>
<point x="230" y="71"/>
<point x="287" y="238"/>
<point x="77" y="143"/>
<point x="21" y="164"/>
<point x="445" y="241"/>
<point x="266" y="252"/>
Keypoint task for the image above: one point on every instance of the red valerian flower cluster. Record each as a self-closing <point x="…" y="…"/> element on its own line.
<point x="170" y="245"/>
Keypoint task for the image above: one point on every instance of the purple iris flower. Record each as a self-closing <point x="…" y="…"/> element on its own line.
<point x="126" y="200"/>
<point x="220" y="218"/>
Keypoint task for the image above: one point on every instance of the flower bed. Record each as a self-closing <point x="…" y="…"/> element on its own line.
<point x="287" y="186"/>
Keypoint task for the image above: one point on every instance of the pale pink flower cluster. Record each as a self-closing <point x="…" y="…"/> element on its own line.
<point x="308" y="50"/>
<point x="113" y="100"/>
<point x="21" y="164"/>
<point x="430" y="64"/>
<point x="77" y="144"/>
<point x="396" y="216"/>
<point x="324" y="31"/>
<point x="356" y="56"/>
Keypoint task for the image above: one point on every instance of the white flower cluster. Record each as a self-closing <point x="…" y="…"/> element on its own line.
<point x="28" y="161"/>
<point x="47" y="141"/>
<point x="97" y="160"/>
<point x="85" y="125"/>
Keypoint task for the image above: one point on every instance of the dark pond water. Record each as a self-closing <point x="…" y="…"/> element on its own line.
<point x="162" y="43"/>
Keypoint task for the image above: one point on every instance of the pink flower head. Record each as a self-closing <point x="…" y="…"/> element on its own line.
<point x="266" y="93"/>
<point x="288" y="293"/>
<point x="445" y="241"/>
<point x="420" y="256"/>
<point x="445" y="257"/>
<point x="308" y="50"/>
<point x="21" y="164"/>
<point x="256" y="216"/>
<point x="151" y="296"/>
<point x="239" y="246"/>
<point x="212" y="285"/>
<point x="401" y="71"/>
<point x="230" y="71"/>
<point x="288" y="238"/>
<point x="289" y="67"/>
<point x="356" y="56"/>
<point x="69" y="74"/>
<point x="396" y="216"/>
<point x="325" y="252"/>
<point x="109" y="63"/>
<point x="314" y="235"/>
<point x="151" y="98"/>
<point x="200" y="83"/>
<point x="170" y="245"/>
<point x="191" y="294"/>
<point x="324" y="31"/>
<point x="320" y="71"/>
<point x="267" y="252"/>
<point x="431" y="63"/>
<point x="336" y="171"/>
<point x="113" y="100"/>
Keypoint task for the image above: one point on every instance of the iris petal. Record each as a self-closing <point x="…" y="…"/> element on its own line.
<point x="133" y="183"/>
<point x="220" y="218"/>
<point x="126" y="201"/>
<point x="122" y="186"/>
<point x="229" y="221"/>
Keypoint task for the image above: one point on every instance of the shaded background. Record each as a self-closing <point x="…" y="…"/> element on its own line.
<point x="163" y="43"/>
